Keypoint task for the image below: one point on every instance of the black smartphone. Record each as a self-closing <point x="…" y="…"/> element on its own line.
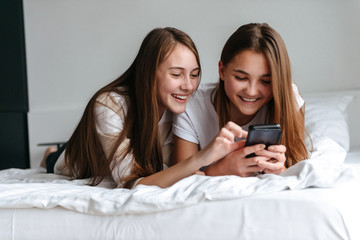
<point x="268" y="134"/>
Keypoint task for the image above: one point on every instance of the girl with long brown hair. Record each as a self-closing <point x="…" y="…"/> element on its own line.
<point x="255" y="87"/>
<point x="125" y="131"/>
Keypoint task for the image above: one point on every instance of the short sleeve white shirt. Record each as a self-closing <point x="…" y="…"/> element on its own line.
<point x="199" y="123"/>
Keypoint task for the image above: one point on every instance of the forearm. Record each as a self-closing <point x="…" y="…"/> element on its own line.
<point x="173" y="174"/>
<point x="215" y="169"/>
<point x="218" y="148"/>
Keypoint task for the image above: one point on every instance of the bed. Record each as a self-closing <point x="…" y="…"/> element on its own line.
<point x="315" y="199"/>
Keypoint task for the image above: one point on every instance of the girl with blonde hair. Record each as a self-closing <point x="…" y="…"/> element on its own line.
<point x="255" y="87"/>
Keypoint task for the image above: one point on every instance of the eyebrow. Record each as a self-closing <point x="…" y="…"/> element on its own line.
<point x="176" y="68"/>
<point x="243" y="72"/>
<point x="183" y="68"/>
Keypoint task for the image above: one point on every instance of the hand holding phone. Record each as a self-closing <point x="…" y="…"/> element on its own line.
<point x="268" y="134"/>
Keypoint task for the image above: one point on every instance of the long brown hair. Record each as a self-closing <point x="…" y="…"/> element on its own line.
<point x="283" y="108"/>
<point x="84" y="155"/>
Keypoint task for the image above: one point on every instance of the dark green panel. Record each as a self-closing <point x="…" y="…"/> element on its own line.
<point x="14" y="146"/>
<point x="13" y="90"/>
<point x="14" y="152"/>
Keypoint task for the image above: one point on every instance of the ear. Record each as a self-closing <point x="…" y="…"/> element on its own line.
<point x="221" y="70"/>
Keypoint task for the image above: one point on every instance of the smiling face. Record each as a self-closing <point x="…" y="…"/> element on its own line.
<point x="247" y="83"/>
<point x="178" y="78"/>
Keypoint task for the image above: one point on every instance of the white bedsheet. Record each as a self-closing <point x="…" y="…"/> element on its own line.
<point x="32" y="188"/>
<point x="212" y="197"/>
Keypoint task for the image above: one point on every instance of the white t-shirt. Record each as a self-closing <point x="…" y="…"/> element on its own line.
<point x="199" y="123"/>
<point x="110" y="112"/>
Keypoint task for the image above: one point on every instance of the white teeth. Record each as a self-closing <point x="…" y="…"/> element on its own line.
<point x="249" y="99"/>
<point x="179" y="97"/>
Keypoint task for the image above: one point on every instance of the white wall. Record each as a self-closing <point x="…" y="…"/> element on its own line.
<point x="74" y="47"/>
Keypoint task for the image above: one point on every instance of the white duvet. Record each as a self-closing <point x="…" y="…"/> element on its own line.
<point x="33" y="188"/>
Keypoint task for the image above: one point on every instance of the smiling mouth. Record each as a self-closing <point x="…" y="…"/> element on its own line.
<point x="249" y="99"/>
<point x="180" y="97"/>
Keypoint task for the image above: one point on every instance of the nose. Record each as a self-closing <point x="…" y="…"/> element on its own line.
<point x="187" y="83"/>
<point x="252" y="89"/>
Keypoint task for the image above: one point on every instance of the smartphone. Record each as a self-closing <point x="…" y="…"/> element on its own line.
<point x="268" y="134"/>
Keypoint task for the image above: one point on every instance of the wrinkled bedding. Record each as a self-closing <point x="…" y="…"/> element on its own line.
<point x="33" y="188"/>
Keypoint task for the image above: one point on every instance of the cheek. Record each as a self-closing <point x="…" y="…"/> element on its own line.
<point x="232" y="85"/>
<point x="165" y="86"/>
<point x="268" y="92"/>
<point x="195" y="85"/>
<point x="231" y="89"/>
<point x="162" y="91"/>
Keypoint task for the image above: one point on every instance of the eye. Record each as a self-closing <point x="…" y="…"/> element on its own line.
<point x="240" y="78"/>
<point x="175" y="74"/>
<point x="195" y="75"/>
<point x="266" y="81"/>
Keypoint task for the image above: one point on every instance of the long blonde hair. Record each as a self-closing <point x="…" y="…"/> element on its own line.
<point x="283" y="108"/>
<point x="84" y="155"/>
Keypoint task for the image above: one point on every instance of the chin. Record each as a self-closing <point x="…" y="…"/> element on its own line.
<point x="248" y="112"/>
<point x="177" y="110"/>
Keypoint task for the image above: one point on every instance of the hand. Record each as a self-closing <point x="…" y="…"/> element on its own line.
<point x="236" y="162"/>
<point x="223" y="143"/>
<point x="276" y="159"/>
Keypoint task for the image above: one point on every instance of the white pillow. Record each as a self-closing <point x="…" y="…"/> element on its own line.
<point x="326" y="115"/>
